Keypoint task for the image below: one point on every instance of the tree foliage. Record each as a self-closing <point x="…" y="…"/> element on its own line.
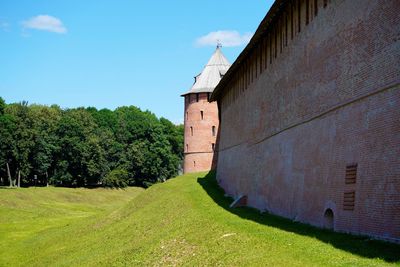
<point x="86" y="146"/>
<point x="116" y="178"/>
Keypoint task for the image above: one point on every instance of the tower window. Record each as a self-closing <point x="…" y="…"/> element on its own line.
<point x="349" y="200"/>
<point x="213" y="146"/>
<point x="197" y="97"/>
<point x="191" y="130"/>
<point x="351" y="174"/>
<point x="202" y="115"/>
<point x="194" y="163"/>
<point x="213" y="131"/>
<point x="187" y="148"/>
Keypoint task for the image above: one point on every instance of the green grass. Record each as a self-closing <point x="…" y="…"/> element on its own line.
<point x="185" y="221"/>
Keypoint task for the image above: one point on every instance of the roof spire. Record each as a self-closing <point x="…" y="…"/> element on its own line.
<point x="219" y="44"/>
<point x="216" y="66"/>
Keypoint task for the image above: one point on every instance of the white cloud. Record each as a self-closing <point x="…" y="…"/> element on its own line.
<point x="4" y="26"/>
<point x="178" y="121"/>
<point x="45" y="23"/>
<point x="226" y="38"/>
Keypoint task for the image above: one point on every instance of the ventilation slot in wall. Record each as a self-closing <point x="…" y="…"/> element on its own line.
<point x="351" y="174"/>
<point x="348" y="200"/>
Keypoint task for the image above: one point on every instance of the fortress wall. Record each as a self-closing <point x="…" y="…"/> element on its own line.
<point x="330" y="99"/>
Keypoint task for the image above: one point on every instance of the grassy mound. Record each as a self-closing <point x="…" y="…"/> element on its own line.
<point x="185" y="221"/>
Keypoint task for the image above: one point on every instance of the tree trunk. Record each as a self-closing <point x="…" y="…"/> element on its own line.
<point x="19" y="178"/>
<point x="47" y="179"/>
<point x="9" y="175"/>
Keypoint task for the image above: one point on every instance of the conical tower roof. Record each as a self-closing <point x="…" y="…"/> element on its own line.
<point x="212" y="73"/>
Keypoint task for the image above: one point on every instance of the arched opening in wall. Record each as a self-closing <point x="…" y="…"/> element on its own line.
<point x="194" y="163"/>
<point x="329" y="219"/>
<point x="187" y="148"/>
<point x="202" y="115"/>
<point x="191" y="130"/>
<point x="213" y="131"/>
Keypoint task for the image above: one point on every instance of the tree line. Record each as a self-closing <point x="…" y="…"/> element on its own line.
<point x="41" y="145"/>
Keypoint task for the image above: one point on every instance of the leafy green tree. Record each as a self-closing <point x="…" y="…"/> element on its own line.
<point x="2" y="106"/>
<point x="116" y="178"/>
<point x="133" y="161"/>
<point x="80" y="147"/>
<point x="7" y="146"/>
<point x="104" y="118"/>
<point x="174" y="136"/>
<point x="46" y="140"/>
<point x="61" y="176"/>
<point x="23" y="137"/>
<point x="74" y="130"/>
<point x="94" y="160"/>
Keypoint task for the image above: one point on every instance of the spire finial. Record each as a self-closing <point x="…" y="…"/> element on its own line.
<point x="219" y="44"/>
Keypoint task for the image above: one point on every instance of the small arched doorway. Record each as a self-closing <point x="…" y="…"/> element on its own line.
<point x="329" y="219"/>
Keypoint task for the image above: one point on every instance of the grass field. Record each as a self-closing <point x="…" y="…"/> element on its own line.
<point x="185" y="221"/>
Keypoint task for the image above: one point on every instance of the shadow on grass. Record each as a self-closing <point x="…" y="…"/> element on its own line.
<point x="358" y="245"/>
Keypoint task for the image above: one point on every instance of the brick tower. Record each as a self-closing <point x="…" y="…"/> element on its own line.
<point x="201" y="116"/>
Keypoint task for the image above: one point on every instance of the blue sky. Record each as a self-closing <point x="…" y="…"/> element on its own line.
<point x="112" y="53"/>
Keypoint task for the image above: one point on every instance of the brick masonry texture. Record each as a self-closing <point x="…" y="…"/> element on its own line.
<point x="199" y="154"/>
<point x="330" y="98"/>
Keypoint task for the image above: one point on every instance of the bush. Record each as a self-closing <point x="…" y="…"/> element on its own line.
<point x="116" y="178"/>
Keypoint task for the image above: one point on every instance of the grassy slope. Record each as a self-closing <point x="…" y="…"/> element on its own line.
<point x="183" y="221"/>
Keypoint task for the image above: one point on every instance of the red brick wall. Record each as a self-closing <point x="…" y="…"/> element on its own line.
<point x="329" y="99"/>
<point x="198" y="154"/>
